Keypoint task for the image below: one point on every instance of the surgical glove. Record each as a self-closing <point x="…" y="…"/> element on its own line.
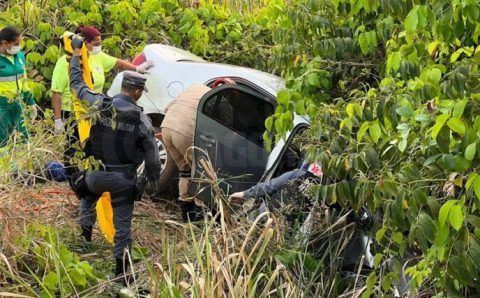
<point x="33" y="111"/>
<point x="236" y="198"/>
<point x="59" y="126"/>
<point x="145" y="66"/>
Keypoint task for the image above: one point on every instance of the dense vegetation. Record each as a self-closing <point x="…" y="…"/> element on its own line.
<point x="391" y="86"/>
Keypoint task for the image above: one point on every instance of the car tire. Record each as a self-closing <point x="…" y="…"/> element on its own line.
<point x="168" y="173"/>
<point x="168" y="176"/>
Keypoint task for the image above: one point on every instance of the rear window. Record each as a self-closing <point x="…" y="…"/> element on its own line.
<point x="241" y="112"/>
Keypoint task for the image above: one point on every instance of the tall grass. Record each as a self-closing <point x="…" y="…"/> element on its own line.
<point x="223" y="255"/>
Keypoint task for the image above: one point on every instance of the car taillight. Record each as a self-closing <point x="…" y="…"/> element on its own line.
<point x="139" y="59"/>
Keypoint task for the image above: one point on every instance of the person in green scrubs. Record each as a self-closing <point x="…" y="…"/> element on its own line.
<point x="14" y="92"/>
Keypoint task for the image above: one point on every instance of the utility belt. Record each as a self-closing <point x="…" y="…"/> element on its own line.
<point x="130" y="170"/>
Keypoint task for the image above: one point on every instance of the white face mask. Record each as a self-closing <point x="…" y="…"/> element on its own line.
<point x="96" y="50"/>
<point x="13" y="50"/>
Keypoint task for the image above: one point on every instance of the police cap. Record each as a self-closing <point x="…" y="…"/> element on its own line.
<point x="135" y="79"/>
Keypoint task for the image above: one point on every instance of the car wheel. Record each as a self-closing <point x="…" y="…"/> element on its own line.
<point x="168" y="172"/>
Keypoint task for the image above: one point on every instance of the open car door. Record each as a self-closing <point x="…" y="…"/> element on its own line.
<point x="229" y="134"/>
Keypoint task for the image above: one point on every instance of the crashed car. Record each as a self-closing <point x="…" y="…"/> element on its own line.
<point x="230" y="119"/>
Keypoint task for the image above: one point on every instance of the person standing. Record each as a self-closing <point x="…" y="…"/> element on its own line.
<point x="100" y="63"/>
<point x="121" y="139"/>
<point x="14" y="92"/>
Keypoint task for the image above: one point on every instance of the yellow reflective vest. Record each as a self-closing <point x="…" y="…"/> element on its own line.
<point x="13" y="77"/>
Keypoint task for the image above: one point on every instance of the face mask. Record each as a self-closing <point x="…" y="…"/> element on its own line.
<point x="13" y="50"/>
<point x="96" y="50"/>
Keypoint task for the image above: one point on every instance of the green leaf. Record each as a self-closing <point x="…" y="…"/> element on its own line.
<point x="455" y="217"/>
<point x="402" y="145"/>
<point x="300" y="107"/>
<point x="234" y="36"/>
<point x="283" y="97"/>
<point x="376" y="260"/>
<point x="445" y="210"/>
<point x="431" y="159"/>
<point x="393" y="61"/>
<point x="420" y="197"/>
<point x="379" y="234"/>
<point x="470" y="180"/>
<point x="346" y="122"/>
<point x="78" y="277"/>
<point x="459" y="108"/>
<point x="362" y="130"/>
<point x="439" y="123"/>
<point x="397" y="237"/>
<point x="313" y="79"/>
<point x="476" y="187"/>
<point x="456" y="125"/>
<point x="474" y="220"/>
<point x="375" y="132"/>
<point x="364" y="43"/>
<point x="470" y="151"/>
<point x="350" y="110"/>
<point x="269" y="123"/>
<point x="51" y="281"/>
<point x="433" y="46"/>
<point x="411" y="21"/>
<point x="443" y="139"/>
<point x="405" y="111"/>
<point x="454" y="57"/>
<point x="422" y="118"/>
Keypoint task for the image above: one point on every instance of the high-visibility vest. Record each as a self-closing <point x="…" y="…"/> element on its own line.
<point x="13" y="78"/>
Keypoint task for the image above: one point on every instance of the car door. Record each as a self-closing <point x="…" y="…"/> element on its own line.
<point x="229" y="134"/>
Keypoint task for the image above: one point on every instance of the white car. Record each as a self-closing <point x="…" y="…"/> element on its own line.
<point x="230" y="118"/>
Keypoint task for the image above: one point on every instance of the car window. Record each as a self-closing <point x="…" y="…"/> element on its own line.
<point x="241" y="112"/>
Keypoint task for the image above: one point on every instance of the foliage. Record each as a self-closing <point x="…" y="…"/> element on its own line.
<point x="392" y="89"/>
<point x="211" y="30"/>
<point x="57" y="269"/>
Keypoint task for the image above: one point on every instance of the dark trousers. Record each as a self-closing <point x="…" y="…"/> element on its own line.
<point x="72" y="138"/>
<point x="122" y="190"/>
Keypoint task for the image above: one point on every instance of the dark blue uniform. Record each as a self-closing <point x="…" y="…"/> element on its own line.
<point x="121" y="138"/>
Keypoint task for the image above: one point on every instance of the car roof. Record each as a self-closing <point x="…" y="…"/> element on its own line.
<point x="173" y="54"/>
<point x="268" y="82"/>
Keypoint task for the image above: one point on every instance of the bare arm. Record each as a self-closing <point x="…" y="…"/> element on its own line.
<point x="57" y="105"/>
<point x="125" y="65"/>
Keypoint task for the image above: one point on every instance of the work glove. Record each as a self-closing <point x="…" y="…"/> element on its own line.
<point x="145" y="66"/>
<point x="77" y="42"/>
<point x="33" y="111"/>
<point x="236" y="198"/>
<point x="59" y="126"/>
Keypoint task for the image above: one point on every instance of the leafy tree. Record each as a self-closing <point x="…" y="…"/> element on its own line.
<point x="392" y="89"/>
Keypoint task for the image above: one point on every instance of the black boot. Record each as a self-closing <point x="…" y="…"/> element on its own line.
<point x="87" y="233"/>
<point x="121" y="272"/>
<point x="119" y="269"/>
<point x="186" y="209"/>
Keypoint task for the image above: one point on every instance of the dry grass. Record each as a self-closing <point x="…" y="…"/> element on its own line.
<point x="223" y="255"/>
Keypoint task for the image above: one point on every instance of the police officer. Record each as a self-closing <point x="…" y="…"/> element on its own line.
<point x="121" y="138"/>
